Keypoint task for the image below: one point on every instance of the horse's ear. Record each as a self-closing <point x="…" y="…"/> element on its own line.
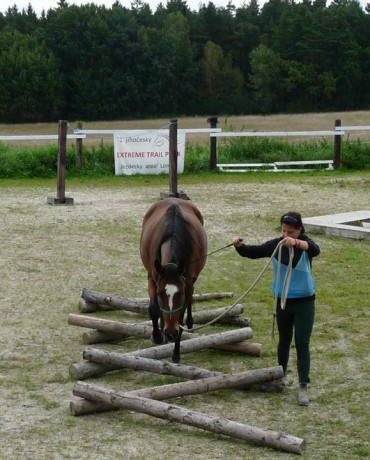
<point x="158" y="267"/>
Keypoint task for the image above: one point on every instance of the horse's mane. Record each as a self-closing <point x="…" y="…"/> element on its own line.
<point x="176" y="229"/>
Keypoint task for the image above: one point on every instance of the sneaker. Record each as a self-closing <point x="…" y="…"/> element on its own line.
<point x="303" y="396"/>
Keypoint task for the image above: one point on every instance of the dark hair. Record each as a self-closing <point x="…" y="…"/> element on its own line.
<point x="293" y="218"/>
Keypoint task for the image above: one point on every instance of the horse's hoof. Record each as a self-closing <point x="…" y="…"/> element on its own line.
<point x="158" y="339"/>
<point x="176" y="359"/>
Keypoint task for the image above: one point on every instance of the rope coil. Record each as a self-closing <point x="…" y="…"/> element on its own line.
<point x="283" y="296"/>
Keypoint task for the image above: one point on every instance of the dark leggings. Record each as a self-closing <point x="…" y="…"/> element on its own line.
<point x="298" y="316"/>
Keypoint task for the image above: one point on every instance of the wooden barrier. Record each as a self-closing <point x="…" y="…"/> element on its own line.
<point x="96" y="336"/>
<point x="173" y="413"/>
<point x="125" y="330"/>
<point x="210" y="382"/>
<point x="86" y="369"/>
<point x="100" y="301"/>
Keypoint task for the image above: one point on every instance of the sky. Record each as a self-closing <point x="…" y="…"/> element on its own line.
<point x="39" y="5"/>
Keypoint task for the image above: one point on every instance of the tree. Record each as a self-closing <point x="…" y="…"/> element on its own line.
<point x="222" y="83"/>
<point x="266" y="79"/>
<point x="30" y="84"/>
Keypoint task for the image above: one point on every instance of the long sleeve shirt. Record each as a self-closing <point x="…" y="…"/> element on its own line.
<point x="301" y="284"/>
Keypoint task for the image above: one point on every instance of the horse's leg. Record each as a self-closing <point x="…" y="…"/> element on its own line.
<point x="176" y="349"/>
<point x="154" y="312"/>
<point x="189" y="290"/>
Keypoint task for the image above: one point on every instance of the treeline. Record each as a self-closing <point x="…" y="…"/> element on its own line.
<point x="96" y="63"/>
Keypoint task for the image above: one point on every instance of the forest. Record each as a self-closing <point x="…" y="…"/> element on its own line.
<point x="96" y="63"/>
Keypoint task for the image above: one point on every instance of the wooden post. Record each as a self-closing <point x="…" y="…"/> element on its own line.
<point x="213" y="144"/>
<point x="337" y="146"/>
<point x="173" y="154"/>
<point x="79" y="156"/>
<point x="61" y="167"/>
<point x="173" y="157"/>
<point x="173" y="413"/>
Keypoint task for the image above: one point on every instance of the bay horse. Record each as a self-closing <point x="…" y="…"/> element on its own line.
<point x="173" y="249"/>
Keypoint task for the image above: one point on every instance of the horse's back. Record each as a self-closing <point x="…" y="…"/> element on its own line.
<point x="158" y="209"/>
<point x="153" y="224"/>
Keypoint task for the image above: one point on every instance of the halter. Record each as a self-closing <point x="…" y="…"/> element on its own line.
<point x="182" y="303"/>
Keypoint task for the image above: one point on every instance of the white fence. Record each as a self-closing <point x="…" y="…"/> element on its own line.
<point x="215" y="133"/>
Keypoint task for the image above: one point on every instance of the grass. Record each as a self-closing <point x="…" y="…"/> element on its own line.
<point x="50" y="253"/>
<point x="37" y="159"/>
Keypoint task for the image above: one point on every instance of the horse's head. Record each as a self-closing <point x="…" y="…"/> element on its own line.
<point x="171" y="297"/>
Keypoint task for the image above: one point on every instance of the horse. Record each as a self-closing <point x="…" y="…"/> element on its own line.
<point x="173" y="249"/>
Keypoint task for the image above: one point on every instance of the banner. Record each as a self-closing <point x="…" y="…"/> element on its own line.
<point x="146" y="152"/>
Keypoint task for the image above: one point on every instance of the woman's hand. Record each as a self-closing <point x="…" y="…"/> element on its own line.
<point x="289" y="242"/>
<point x="237" y="241"/>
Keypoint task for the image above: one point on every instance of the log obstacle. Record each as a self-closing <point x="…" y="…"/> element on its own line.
<point x="103" y="301"/>
<point x="124" y="360"/>
<point x="173" y="413"/>
<point x="212" y="382"/>
<point x="92" y="301"/>
<point x="83" y="370"/>
<point x="121" y="330"/>
<point x="260" y="381"/>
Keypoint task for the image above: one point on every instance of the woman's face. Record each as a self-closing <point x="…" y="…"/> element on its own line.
<point x="290" y="230"/>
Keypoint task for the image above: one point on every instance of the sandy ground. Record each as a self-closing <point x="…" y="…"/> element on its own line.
<point x="49" y="253"/>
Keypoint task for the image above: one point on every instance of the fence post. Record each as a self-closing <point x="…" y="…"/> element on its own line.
<point x="173" y="154"/>
<point x="173" y="157"/>
<point x="337" y="146"/>
<point x="61" y="168"/>
<point x="213" y="144"/>
<point x="79" y="157"/>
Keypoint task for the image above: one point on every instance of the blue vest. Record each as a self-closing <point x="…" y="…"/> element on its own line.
<point x="301" y="282"/>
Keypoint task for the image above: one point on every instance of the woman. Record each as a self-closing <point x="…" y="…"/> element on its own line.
<point x="297" y="315"/>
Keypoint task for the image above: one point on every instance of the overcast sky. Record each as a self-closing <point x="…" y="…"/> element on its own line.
<point x="39" y="5"/>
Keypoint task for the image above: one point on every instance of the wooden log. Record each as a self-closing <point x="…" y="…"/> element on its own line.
<point x="237" y="320"/>
<point x="93" y="300"/>
<point x="94" y="336"/>
<point x="83" y="407"/>
<point x="110" y="302"/>
<point x="238" y="380"/>
<point x="200" y="317"/>
<point x="214" y="381"/>
<point x="85" y="369"/>
<point x="125" y="360"/>
<point x="249" y="348"/>
<point x="173" y="413"/>
<point x="144" y="330"/>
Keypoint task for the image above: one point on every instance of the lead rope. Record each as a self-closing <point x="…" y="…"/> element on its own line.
<point x="284" y="292"/>
<point x="285" y="289"/>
